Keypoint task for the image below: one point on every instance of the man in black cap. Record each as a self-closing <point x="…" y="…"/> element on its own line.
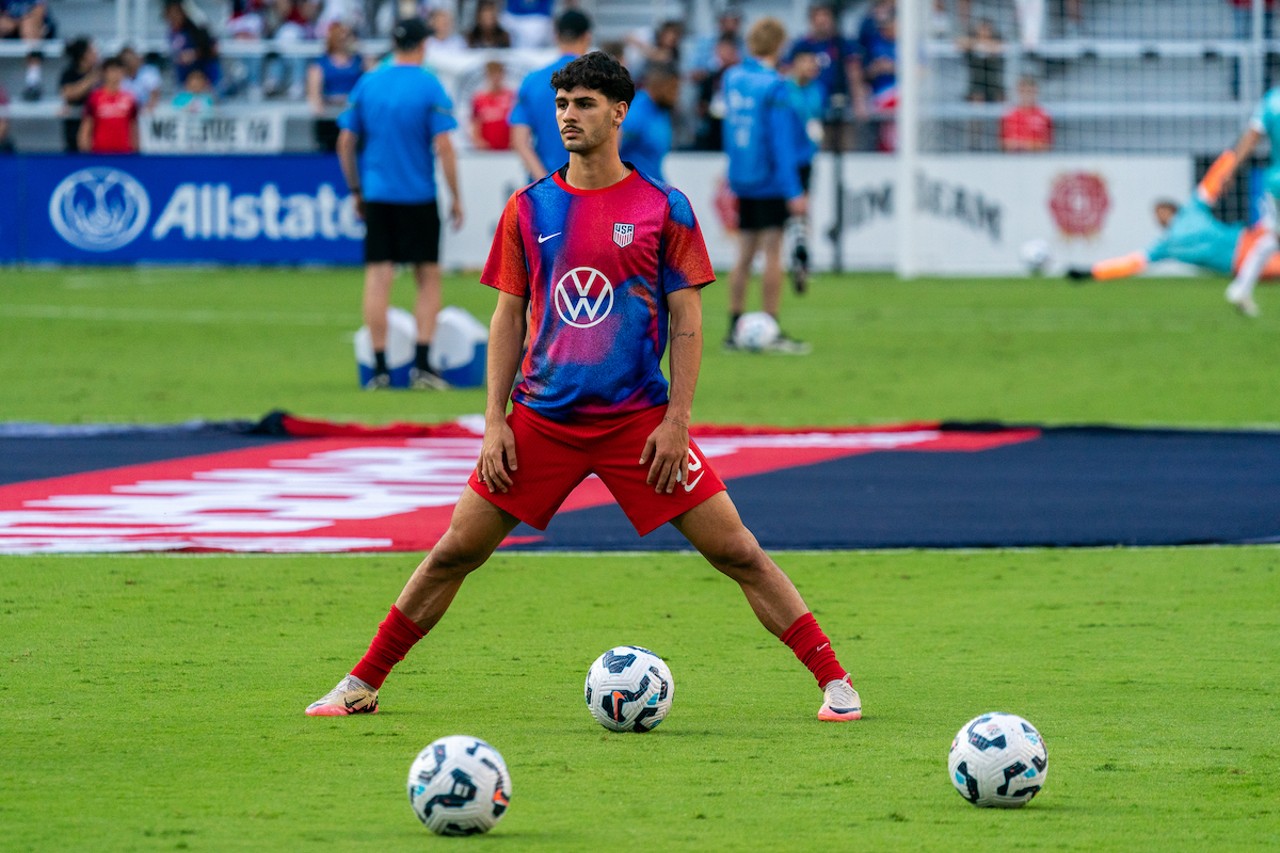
<point x="403" y="116"/>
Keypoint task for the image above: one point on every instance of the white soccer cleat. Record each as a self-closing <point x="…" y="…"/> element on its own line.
<point x="840" y="702"/>
<point x="1242" y="300"/>
<point x="351" y="696"/>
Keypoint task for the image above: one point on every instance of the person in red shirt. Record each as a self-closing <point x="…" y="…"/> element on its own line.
<point x="110" y="124"/>
<point x="491" y="108"/>
<point x="1026" y="127"/>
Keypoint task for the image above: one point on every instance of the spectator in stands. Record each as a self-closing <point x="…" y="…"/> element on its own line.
<point x="330" y="79"/>
<point x="488" y="30"/>
<point x="1242" y="19"/>
<point x="491" y="110"/>
<point x="535" y="134"/>
<point x="291" y="23"/>
<point x="837" y="55"/>
<point x="110" y="123"/>
<point x="190" y="44"/>
<point x="23" y="19"/>
<point x="984" y="58"/>
<point x="806" y="97"/>
<point x="80" y="77"/>
<point x="196" y="97"/>
<point x="707" y="53"/>
<point x="875" y="93"/>
<point x="763" y="172"/>
<point x="1026" y="127"/>
<point x="6" y="143"/>
<point x="530" y="22"/>
<point x="444" y="38"/>
<point x="661" y="47"/>
<point x="646" y="131"/>
<point x="28" y="20"/>
<point x="709" y="135"/>
<point x="142" y="77"/>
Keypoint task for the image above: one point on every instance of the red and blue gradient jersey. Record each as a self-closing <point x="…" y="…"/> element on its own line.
<point x="596" y="267"/>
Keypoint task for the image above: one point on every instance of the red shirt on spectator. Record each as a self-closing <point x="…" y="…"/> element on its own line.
<point x="490" y="110"/>
<point x="114" y="114"/>
<point x="1026" y="128"/>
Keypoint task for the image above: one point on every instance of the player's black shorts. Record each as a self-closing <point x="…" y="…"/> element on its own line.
<point x="402" y="233"/>
<point x="806" y="176"/>
<point x="757" y="214"/>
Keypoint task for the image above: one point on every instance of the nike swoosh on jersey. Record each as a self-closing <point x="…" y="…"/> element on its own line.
<point x="543" y="239"/>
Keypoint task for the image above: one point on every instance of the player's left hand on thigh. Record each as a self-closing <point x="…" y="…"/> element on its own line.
<point x="668" y="448"/>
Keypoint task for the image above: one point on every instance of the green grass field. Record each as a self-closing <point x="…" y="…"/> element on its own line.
<point x="154" y="702"/>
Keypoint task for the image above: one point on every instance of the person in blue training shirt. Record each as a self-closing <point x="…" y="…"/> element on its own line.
<point x="646" y="131"/>
<point x="764" y="171"/>
<point x="535" y="136"/>
<point x="807" y="98"/>
<point x="402" y="116"/>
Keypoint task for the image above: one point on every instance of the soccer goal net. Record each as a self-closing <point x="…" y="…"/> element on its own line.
<point x="1044" y="131"/>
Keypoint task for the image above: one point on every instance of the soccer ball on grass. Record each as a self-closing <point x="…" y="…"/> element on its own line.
<point x="459" y="785"/>
<point x="998" y="760"/>
<point x="629" y="689"/>
<point x="755" y="331"/>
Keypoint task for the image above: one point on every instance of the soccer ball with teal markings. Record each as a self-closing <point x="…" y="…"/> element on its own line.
<point x="998" y="760"/>
<point x="459" y="785"/>
<point x="629" y="689"/>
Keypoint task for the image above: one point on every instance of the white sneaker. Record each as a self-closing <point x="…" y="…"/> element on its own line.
<point x="840" y="702"/>
<point x="351" y="696"/>
<point x="426" y="380"/>
<point x="1239" y="297"/>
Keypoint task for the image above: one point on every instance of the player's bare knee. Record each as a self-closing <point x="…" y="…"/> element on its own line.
<point x="738" y="555"/>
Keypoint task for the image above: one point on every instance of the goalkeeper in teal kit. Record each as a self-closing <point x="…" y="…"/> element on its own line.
<point x="1193" y="235"/>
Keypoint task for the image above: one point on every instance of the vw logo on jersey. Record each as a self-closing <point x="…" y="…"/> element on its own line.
<point x="583" y="297"/>
<point x="99" y="209"/>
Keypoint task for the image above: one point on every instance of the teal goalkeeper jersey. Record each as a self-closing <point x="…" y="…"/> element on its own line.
<point x="1196" y="236"/>
<point x="1266" y="119"/>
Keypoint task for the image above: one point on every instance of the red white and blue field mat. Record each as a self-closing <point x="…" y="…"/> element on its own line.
<point x="289" y="484"/>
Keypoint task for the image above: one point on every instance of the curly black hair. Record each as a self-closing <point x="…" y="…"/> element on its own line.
<point x="598" y="71"/>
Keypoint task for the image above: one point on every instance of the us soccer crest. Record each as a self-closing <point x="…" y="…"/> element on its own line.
<point x="622" y="233"/>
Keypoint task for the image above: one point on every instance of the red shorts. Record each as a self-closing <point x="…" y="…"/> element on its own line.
<point x="555" y="457"/>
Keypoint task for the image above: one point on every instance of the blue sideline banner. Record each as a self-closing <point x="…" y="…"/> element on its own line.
<point x="281" y="209"/>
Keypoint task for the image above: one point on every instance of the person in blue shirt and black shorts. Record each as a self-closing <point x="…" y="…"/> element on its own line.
<point x="402" y="117"/>
<point x="760" y="139"/>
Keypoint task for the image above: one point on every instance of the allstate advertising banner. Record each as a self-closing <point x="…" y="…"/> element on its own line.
<point x="289" y="209"/>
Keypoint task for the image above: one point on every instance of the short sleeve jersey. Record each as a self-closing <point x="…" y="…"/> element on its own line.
<point x="535" y="108"/>
<point x="1196" y="237"/>
<point x="114" y="115"/>
<point x="397" y="111"/>
<point x="596" y="267"/>
<point x="646" y="135"/>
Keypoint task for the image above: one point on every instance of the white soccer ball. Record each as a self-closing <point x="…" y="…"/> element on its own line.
<point x="755" y="330"/>
<point x="998" y="760"/>
<point x="629" y="689"/>
<point x="459" y="785"/>
<point x="1036" y="256"/>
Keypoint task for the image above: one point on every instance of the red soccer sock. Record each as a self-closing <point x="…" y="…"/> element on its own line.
<point x="813" y="649"/>
<point x="396" y="635"/>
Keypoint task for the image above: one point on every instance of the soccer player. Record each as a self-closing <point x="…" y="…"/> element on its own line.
<point x="402" y="117"/>
<point x="646" y="134"/>
<point x="1265" y="121"/>
<point x="1193" y="235"/>
<point x="764" y="171"/>
<point x="608" y="265"/>
<point x="534" y="134"/>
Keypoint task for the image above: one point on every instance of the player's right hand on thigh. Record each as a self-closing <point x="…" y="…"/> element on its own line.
<point x="497" y="458"/>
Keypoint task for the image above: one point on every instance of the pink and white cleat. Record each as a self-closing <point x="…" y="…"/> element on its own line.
<point x="351" y="696"/>
<point x="840" y="702"/>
